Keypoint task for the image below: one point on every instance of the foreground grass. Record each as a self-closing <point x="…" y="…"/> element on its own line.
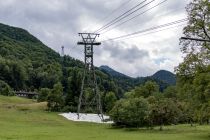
<point x="22" y="119"/>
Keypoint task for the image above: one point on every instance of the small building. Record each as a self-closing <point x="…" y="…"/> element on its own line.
<point x="25" y="94"/>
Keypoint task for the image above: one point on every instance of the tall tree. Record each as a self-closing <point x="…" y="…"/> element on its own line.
<point x="197" y="52"/>
<point x="110" y="99"/>
<point x="55" y="100"/>
<point x="130" y="112"/>
<point x="147" y="89"/>
<point x="193" y="73"/>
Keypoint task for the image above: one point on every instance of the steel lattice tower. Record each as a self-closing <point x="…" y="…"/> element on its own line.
<point x="62" y="51"/>
<point x="89" y="77"/>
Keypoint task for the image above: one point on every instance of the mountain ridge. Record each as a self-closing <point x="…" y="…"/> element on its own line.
<point x="112" y="72"/>
<point x="162" y="75"/>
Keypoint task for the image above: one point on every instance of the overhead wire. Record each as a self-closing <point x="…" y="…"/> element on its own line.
<point x="149" y="29"/>
<point x="161" y="15"/>
<point x="155" y="31"/>
<point x="114" y="11"/>
<point x="127" y="15"/>
<point x="134" y="17"/>
<point x="121" y="16"/>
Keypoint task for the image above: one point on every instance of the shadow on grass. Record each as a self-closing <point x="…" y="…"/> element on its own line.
<point x="130" y="129"/>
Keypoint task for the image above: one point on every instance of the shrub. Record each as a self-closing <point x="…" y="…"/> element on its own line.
<point x="43" y="94"/>
<point x="130" y="112"/>
<point x="5" y="89"/>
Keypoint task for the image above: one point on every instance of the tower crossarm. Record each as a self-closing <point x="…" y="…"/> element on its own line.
<point x="84" y="43"/>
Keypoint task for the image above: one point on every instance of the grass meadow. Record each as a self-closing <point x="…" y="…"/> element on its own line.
<point x="24" y="119"/>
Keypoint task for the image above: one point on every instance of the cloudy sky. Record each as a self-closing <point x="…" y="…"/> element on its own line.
<point x="57" y="23"/>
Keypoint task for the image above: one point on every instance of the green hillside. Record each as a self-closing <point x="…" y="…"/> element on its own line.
<point x="17" y="43"/>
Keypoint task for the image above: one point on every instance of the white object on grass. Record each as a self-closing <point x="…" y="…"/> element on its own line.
<point x="85" y="117"/>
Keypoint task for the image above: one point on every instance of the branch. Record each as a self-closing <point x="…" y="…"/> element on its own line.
<point x="196" y="39"/>
<point x="204" y="29"/>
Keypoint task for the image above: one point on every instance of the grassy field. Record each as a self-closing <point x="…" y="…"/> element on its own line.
<point x="22" y="119"/>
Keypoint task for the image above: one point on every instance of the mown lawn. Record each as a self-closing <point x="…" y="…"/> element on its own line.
<point x="22" y="119"/>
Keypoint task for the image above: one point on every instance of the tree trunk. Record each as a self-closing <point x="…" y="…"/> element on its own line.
<point x="161" y="125"/>
<point x="191" y="124"/>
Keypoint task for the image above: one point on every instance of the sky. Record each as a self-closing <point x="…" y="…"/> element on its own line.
<point x="57" y="23"/>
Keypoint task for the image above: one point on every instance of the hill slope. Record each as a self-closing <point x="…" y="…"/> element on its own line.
<point x="112" y="72"/>
<point x="17" y="43"/>
<point x="26" y="63"/>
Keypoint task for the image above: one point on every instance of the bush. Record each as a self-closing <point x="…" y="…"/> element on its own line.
<point x="130" y="112"/>
<point x="5" y="89"/>
<point x="164" y="112"/>
<point x="109" y="101"/>
<point x="69" y="109"/>
<point x="54" y="99"/>
<point x="43" y="94"/>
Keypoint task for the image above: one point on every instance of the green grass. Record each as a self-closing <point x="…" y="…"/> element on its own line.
<point x="22" y="119"/>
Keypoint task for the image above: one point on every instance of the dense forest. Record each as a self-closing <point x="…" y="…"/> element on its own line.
<point x="27" y="64"/>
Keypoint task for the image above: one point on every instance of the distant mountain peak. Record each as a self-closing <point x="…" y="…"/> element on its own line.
<point x="165" y="76"/>
<point x="161" y="75"/>
<point x="163" y="71"/>
<point x="112" y="72"/>
<point x="106" y="67"/>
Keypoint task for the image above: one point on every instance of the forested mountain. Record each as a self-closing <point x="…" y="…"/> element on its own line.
<point x="122" y="80"/>
<point x="19" y="44"/>
<point x="163" y="78"/>
<point x="112" y="72"/>
<point x="26" y="63"/>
